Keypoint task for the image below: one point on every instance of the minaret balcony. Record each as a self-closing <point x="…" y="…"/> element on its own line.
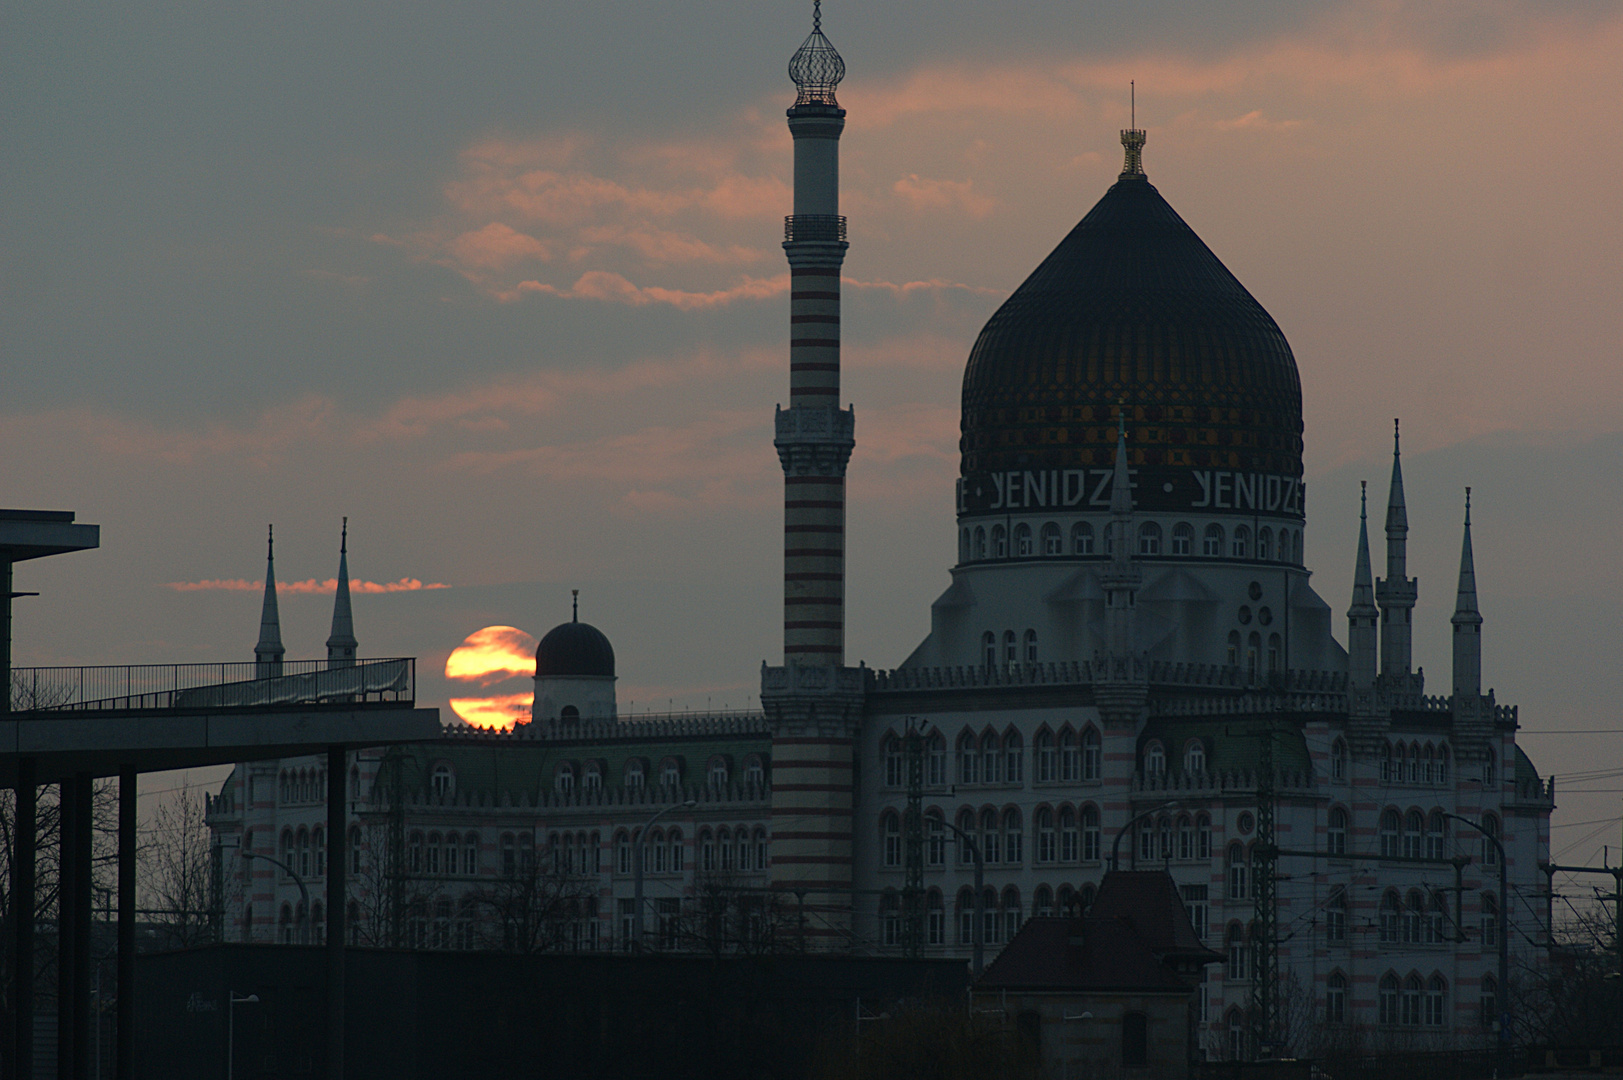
<point x="820" y="228"/>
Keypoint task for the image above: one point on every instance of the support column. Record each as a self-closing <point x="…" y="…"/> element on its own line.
<point x="337" y="910"/>
<point x="67" y="966"/>
<point x="84" y="953"/>
<point x="125" y="1065"/>
<point x="24" y="839"/>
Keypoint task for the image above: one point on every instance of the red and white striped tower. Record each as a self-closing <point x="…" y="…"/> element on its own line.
<point x="814" y="702"/>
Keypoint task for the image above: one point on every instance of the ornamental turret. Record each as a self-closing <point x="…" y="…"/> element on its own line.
<point x="269" y="652"/>
<point x="1363" y="615"/>
<point x="341" y="643"/>
<point x="1396" y="592"/>
<point x="1467" y="622"/>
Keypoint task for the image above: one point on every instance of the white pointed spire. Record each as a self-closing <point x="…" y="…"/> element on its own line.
<point x="1467" y="620"/>
<point x="341" y="644"/>
<point x="1396" y="593"/>
<point x="1363" y="615"/>
<point x="269" y="652"/>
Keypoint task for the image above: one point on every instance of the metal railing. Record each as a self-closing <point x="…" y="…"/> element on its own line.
<point x="211" y="686"/>
<point x="829" y="228"/>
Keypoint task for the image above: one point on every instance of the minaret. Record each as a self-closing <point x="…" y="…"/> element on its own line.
<point x="814" y="435"/>
<point x="269" y="652"/>
<point x="341" y="642"/>
<point x="1396" y="592"/>
<point x="1467" y="624"/>
<point x="1363" y="615"/>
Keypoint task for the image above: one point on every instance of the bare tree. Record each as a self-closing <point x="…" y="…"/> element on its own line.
<point x="535" y="908"/>
<point x="730" y="917"/>
<point x="181" y="876"/>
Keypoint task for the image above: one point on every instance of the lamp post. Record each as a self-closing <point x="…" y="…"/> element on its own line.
<point x="304" y="893"/>
<point x="1115" y="845"/>
<point x="637" y="854"/>
<point x="231" y="1026"/>
<point x="1502" y="999"/>
<point x="978" y="936"/>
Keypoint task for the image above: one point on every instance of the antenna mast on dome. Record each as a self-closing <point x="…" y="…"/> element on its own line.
<point x="574" y="605"/>
<point x="1132" y="139"/>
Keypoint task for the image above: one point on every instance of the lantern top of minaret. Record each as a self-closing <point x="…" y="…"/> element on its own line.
<point x="816" y="67"/>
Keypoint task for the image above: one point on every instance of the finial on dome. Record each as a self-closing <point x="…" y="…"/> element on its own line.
<point x="816" y="67"/>
<point x="1363" y="500"/>
<point x="574" y="605"/>
<point x="1133" y="138"/>
<point x="343" y="538"/>
<point x="1468" y="507"/>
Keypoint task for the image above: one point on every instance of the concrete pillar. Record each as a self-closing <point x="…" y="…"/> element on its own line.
<point x="125" y="1065"/>
<point x="337" y="930"/>
<point x="67" y="966"/>
<point x="84" y="835"/>
<point x="22" y="900"/>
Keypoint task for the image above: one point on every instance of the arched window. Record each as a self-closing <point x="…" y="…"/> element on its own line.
<point x="1490" y="848"/>
<point x="636" y="773"/>
<point x="1265" y="543"/>
<point x="444" y="781"/>
<point x="1391" y="925"/>
<point x="1203" y="836"/>
<point x="304" y="855"/>
<point x="1211" y="543"/>
<point x="1338" y="760"/>
<point x="1335" y="918"/>
<point x="1031" y="646"/>
<point x="1490" y="921"/>
<point x="762" y="850"/>
<point x="935" y="918"/>
<point x="1082" y="538"/>
<point x="1053" y="542"/>
<point x="1011" y="912"/>
<point x="1090" y="833"/>
<point x="1442" y="764"/>
<point x="670" y="773"/>
<point x="1414" y="918"/>
<point x="1414" y="828"/>
<point x="724" y="848"/>
<point x="991" y="849"/>
<point x="1437" y="925"/>
<point x="1011" y="648"/>
<point x="968" y="759"/>
<point x="1488" y="1001"/>
<point x="1436" y="832"/>
<point x="1194" y="758"/>
<point x="354" y="850"/>
<point x="622" y="852"/>
<point x="935" y="761"/>
<point x="1065" y="901"/>
<point x="1275" y="646"/>
<point x="1336" y="831"/>
<point x="1233" y="659"/>
<point x="563" y="781"/>
<point x="591" y="778"/>
<point x="992" y="923"/>
<point x="1042" y="902"/>
<point x="964" y="548"/>
<point x="1043" y="752"/>
<point x="678" y="859"/>
<point x="754" y="772"/>
<point x="742" y="839"/>
<point x="891" y="827"/>
<point x="966" y="825"/>
<point x="1091" y="759"/>
<point x="980" y="543"/>
<point x="287" y="850"/>
<point x="1428" y="768"/>
<point x="470" y="853"/>
<point x="1183" y="538"/>
<point x="1013" y="837"/>
<point x="318" y="843"/>
<point x="892" y="753"/>
<point x="1022" y="541"/>
<point x="1045" y="834"/>
<point x="1413" y="992"/>
<point x="1389" y="826"/>
<point x="1387" y="996"/>
<point x="707" y="851"/>
<point x="1000" y="542"/>
<point x="1070" y="761"/>
<point x="890" y="918"/>
<point x="569" y="714"/>
<point x="1335" y="998"/>
<point x="935" y="840"/>
<point x="1149" y="538"/>
<point x="1237" y="872"/>
<point x="1155" y="759"/>
<point x="1414" y="763"/>
<point x="1014" y="757"/>
<point x="989" y="649"/>
<point x="1237" y="1035"/>
<point x="1253" y="651"/>
<point x="1436" y="997"/>
<point x="1068" y="836"/>
<point x="431" y="853"/>
<point x="1490" y="771"/>
<point x="1238" y="953"/>
<point x="1285" y="549"/>
<point x="655" y="845"/>
<point x="1242" y="542"/>
<point x="1165" y="832"/>
<point x="966" y="916"/>
<point x="990" y="770"/>
<point x="1186" y="837"/>
<point x="718" y="772"/>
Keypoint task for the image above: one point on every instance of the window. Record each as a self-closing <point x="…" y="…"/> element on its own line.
<point x="1149" y="538"/>
<point x="1238" y="954"/>
<point x="1442" y="764"/>
<point x="1335" y="918"/>
<point x="968" y="759"/>
<point x="990" y="772"/>
<point x="761" y="849"/>
<point x="1046" y="845"/>
<point x="1135" y="1040"/>
<point x="1212" y="542"/>
<point x="989" y="649"/>
<point x="1194" y="758"/>
<point x="1053" y="544"/>
<point x="1242" y="543"/>
<point x="1338" y="760"/>
<point x="1391" y="917"/>
<point x="718" y="772"/>
<point x="1082" y="539"/>
<point x="707" y="852"/>
<point x="636" y="774"/>
<point x="1065" y="901"/>
<point x="754" y="773"/>
<point x="890" y="919"/>
<point x="1044" y="747"/>
<point x="628" y="922"/>
<point x="1400" y="762"/>
<point x="1031" y="646"/>
<point x="1011" y="651"/>
<point x="1183" y="538"/>
<point x="980" y="543"/>
<point x="622" y="853"/>
<point x="1186" y="837"/>
<point x="432" y="863"/>
<point x="1042" y="902"/>
<point x="444" y="781"/>
<point x="1389" y="832"/>
<point x="1265" y="543"/>
<point x="1275" y="648"/>
<point x="1013" y="837"/>
<point x="1198" y="907"/>
<point x="724" y="846"/>
<point x="1014" y="757"/>
<point x="966" y="825"/>
<point x="1155" y="760"/>
<point x="1067" y="835"/>
<point x="1000" y="542"/>
<point x="935" y="919"/>
<point x="414" y="853"/>
<point x="1335" y="835"/>
<point x="1414" y="829"/>
<point x="592" y="778"/>
<point x="1237" y="872"/>
<point x="1253" y="652"/>
<point x="1414" y="918"/>
<point x="563" y="780"/>
<point x="1233" y="659"/>
<point x="1387" y="995"/>
<point x="1437" y="925"/>
<point x="1090" y="833"/>
<point x="1489" y="1001"/>
<point x="893" y="762"/>
<point x="1011" y="913"/>
<point x="1436" y="830"/>
<point x="935" y="761"/>
<point x="470" y="853"/>
<point x="1091" y="757"/>
<point x="1428" y="771"/>
<point x="990" y="923"/>
<point x="1285" y="548"/>
<point x="1489" y="770"/>
<point x="1070" y="762"/>
<point x="656" y="844"/>
<point x="966" y="916"/>
<point x="678" y="851"/>
<point x="670" y="773"/>
<point x="935" y="841"/>
<point x="991" y="850"/>
<point x="1413" y="991"/>
<point x="1022" y="541"/>
<point x="1490" y="840"/>
<point x="1490" y="921"/>
<point x="1203" y="836"/>
<point x="892" y="827"/>
<point x="1335" y="998"/>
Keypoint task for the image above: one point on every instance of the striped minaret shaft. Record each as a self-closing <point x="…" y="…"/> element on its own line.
<point x="814" y="719"/>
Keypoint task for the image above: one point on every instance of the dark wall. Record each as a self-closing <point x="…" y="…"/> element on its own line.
<point x="441" y="1014"/>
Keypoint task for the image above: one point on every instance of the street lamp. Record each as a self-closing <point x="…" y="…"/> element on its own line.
<point x="1502" y="916"/>
<point x="978" y="961"/>
<point x="637" y="854"/>
<point x="304" y="894"/>
<point x="231" y="1026"/>
<point x="1115" y="845"/>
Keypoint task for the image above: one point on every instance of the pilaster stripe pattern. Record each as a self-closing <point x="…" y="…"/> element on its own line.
<point x="811" y="827"/>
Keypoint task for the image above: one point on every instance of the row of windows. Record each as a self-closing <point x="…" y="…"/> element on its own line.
<point x="1001" y="913"/>
<point x="718" y="772"/>
<point x="302" y="785"/>
<point x="1411" y="763"/>
<point x="1066" y="756"/>
<point x="1049" y="542"/>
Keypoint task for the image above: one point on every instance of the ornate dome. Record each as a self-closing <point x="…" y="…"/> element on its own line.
<point x="1132" y="311"/>
<point x="574" y="649"/>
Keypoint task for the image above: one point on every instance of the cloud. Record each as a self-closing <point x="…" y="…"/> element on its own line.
<point x="926" y="194"/>
<point x="1256" y="121"/>
<point x="310" y="586"/>
<point x="497" y="246"/>
<point x="604" y="285"/>
<point x="500" y="713"/>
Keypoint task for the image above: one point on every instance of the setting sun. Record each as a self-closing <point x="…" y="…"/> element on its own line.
<point x="488" y="657"/>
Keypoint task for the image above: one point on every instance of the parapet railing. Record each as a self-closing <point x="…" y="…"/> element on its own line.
<point x="153" y="687"/>
<point x="825" y="227"/>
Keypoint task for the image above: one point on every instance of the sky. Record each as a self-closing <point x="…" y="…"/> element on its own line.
<point x="501" y="283"/>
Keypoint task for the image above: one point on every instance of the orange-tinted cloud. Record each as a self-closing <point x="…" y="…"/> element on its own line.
<point x="603" y="285"/>
<point x="491" y="655"/>
<point x="308" y="586"/>
<point x="497" y="246"/>
<point x="495" y="713"/>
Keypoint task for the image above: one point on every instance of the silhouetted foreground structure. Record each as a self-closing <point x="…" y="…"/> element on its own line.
<point x="433" y="1015"/>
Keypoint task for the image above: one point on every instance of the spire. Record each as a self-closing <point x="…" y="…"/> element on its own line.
<point x="1133" y="139"/>
<point x="1362" y="616"/>
<point x="1397" y="592"/>
<point x="1121" y="486"/>
<point x="341" y="644"/>
<point x="1397" y="515"/>
<point x="816" y="67"/>
<point x="574" y="605"/>
<point x="1467" y="620"/>
<point x="269" y="652"/>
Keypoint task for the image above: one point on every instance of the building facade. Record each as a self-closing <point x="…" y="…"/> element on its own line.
<point x="1130" y="665"/>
